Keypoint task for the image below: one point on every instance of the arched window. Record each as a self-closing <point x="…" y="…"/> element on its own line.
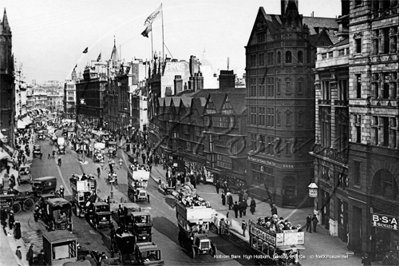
<point x="288" y="57"/>
<point x="300" y="57"/>
<point x="278" y="58"/>
<point x="384" y="184"/>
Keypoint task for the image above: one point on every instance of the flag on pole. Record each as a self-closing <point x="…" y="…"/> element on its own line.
<point x="99" y="58"/>
<point x="153" y="16"/>
<point x="147" y="30"/>
<point x="86" y="50"/>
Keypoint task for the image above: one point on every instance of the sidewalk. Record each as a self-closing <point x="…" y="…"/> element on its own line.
<point x="320" y="243"/>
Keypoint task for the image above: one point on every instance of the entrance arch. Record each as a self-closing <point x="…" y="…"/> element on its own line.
<point x="289" y="191"/>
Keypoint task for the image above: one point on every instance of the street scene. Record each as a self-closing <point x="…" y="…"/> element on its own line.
<point x="283" y="152"/>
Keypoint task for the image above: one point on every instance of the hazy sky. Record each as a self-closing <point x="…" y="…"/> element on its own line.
<point x="49" y="36"/>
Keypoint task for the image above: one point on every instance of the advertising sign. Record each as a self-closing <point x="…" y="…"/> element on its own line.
<point x="384" y="221"/>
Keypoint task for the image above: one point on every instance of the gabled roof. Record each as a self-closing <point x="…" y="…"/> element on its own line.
<point x="274" y="23"/>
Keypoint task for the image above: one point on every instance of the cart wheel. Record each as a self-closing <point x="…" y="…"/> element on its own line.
<point x="28" y="205"/>
<point x="16" y="207"/>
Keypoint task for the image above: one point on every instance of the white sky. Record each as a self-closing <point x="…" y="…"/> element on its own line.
<point x="49" y="36"/>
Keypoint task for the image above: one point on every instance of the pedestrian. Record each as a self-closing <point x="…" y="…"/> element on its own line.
<point x="241" y="208"/>
<point x="252" y="206"/>
<point x="235" y="209"/>
<point x="48" y="156"/>
<point x="244" y="207"/>
<point x="17" y="230"/>
<point x="103" y="257"/>
<point x="223" y="199"/>
<point x="59" y="161"/>
<point x="240" y="196"/>
<point x="4" y="224"/>
<point x="308" y="223"/>
<point x="29" y="255"/>
<point x="386" y="260"/>
<point x="243" y="227"/>
<point x="11" y="220"/>
<point x="98" y="172"/>
<point x="245" y="195"/>
<point x="230" y="200"/>
<point x="366" y="260"/>
<point x="40" y="258"/>
<point x="315" y="221"/>
<point x="62" y="190"/>
<point x="18" y="253"/>
<point x="273" y="208"/>
<point x="217" y="186"/>
<point x="41" y="155"/>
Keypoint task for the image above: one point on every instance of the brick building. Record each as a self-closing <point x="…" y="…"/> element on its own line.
<point x="374" y="137"/>
<point x="280" y="100"/>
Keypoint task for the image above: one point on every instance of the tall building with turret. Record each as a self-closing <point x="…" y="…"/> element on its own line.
<point x="7" y="88"/>
<point x="280" y="55"/>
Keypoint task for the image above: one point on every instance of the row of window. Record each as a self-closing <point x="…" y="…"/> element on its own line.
<point x="288" y="57"/>
<point x="341" y="52"/>
<point x="260" y="89"/>
<point x="342" y="90"/>
<point x="341" y="138"/>
<point x="271" y="145"/>
<point x="384" y="86"/>
<point x="224" y="161"/>
<point x="263" y="116"/>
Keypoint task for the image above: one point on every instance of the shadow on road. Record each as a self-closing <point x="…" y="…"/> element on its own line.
<point x="166" y="227"/>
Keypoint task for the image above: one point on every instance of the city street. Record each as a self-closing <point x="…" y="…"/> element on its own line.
<point x="161" y="207"/>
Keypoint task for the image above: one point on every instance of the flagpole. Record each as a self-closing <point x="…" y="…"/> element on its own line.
<point x="152" y="45"/>
<point x="163" y="54"/>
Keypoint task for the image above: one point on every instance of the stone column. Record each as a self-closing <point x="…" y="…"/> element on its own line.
<point x="381" y="84"/>
<point x="392" y="44"/>
<point x="392" y="89"/>
<point x="382" y="41"/>
<point x="375" y="42"/>
<point x="392" y="133"/>
<point x="374" y="89"/>
<point x="380" y="131"/>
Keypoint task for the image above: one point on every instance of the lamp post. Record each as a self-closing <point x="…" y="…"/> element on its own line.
<point x="112" y="188"/>
<point x="313" y="188"/>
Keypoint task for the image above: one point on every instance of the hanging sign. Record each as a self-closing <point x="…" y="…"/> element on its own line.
<point x="384" y="221"/>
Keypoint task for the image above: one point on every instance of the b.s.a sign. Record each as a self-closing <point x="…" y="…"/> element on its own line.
<point x="384" y="221"/>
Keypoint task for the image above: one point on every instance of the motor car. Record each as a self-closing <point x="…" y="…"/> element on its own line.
<point x="24" y="174"/>
<point x="37" y="150"/>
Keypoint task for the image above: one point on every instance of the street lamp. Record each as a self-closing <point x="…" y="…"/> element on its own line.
<point x="313" y="188"/>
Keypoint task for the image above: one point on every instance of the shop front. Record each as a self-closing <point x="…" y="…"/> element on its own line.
<point x="384" y="220"/>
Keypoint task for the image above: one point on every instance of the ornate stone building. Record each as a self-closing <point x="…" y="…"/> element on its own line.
<point x="331" y="148"/>
<point x="280" y="102"/>
<point x="374" y="137"/>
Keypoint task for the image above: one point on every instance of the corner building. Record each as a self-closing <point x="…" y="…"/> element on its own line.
<point x="280" y="55"/>
<point x="374" y="137"/>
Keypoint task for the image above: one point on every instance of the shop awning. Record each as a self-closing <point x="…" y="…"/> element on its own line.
<point x="3" y="138"/>
<point x="27" y="120"/>
<point x="5" y="155"/>
<point x="20" y="124"/>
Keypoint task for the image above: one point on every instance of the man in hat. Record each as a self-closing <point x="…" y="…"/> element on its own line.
<point x="18" y="253"/>
<point x="243" y="227"/>
<point x="29" y="255"/>
<point x="11" y="219"/>
<point x="40" y="258"/>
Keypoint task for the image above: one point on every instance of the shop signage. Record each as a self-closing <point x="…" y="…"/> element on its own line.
<point x="265" y="236"/>
<point x="262" y="161"/>
<point x="384" y="221"/>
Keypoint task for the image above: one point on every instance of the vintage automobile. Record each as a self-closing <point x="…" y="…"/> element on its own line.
<point x="44" y="185"/>
<point x="37" y="151"/>
<point x="41" y="135"/>
<point x="99" y="215"/>
<point x="7" y="203"/>
<point x="56" y="213"/>
<point x="98" y="157"/>
<point x="24" y="174"/>
<point x="112" y="147"/>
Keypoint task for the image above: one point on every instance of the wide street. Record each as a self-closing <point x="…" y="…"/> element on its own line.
<point x="161" y="207"/>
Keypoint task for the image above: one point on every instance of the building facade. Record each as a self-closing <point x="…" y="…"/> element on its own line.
<point x="70" y="99"/>
<point x="90" y="96"/>
<point x="7" y="88"/>
<point x="373" y="205"/>
<point x="280" y="55"/>
<point x="331" y="149"/>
